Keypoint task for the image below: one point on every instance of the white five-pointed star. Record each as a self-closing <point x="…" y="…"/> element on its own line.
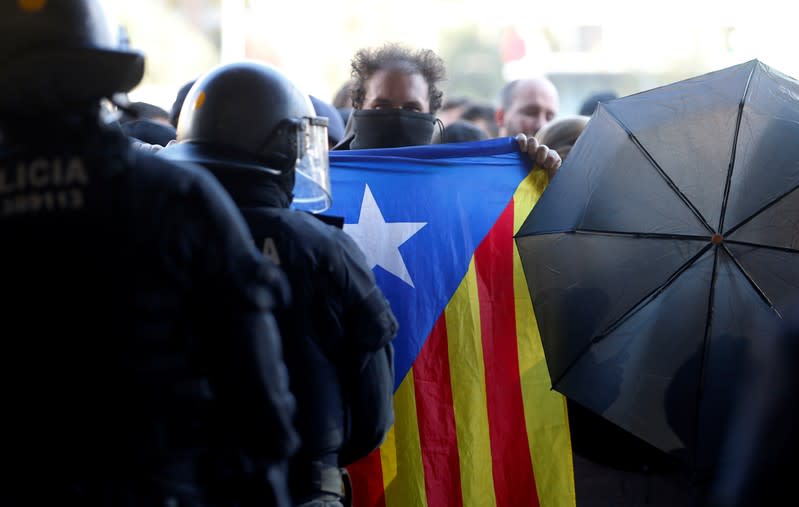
<point x="379" y="240"/>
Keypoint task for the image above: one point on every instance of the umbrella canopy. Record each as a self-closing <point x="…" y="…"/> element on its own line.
<point x="665" y="248"/>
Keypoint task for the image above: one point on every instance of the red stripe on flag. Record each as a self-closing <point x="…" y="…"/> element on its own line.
<point x="514" y="482"/>
<point x="436" y="416"/>
<point x="367" y="481"/>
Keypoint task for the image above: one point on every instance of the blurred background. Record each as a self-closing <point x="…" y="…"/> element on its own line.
<point x="582" y="46"/>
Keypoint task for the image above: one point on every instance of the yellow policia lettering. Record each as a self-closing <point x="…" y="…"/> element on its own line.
<point x="43" y="185"/>
<point x="40" y="173"/>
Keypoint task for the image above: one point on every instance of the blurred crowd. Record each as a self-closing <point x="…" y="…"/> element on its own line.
<point x="522" y="106"/>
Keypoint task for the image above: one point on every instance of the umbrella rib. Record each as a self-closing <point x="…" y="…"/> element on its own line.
<point x="640" y="235"/>
<point x="751" y="280"/>
<point x="760" y="245"/>
<point x="728" y="183"/>
<point x="633" y="310"/>
<point x="669" y="181"/>
<point x="761" y="210"/>
<point x="708" y="326"/>
<point x="622" y="234"/>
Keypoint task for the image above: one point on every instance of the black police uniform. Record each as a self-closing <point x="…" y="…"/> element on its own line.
<point x="336" y="335"/>
<point x="251" y="127"/>
<point x="141" y="364"/>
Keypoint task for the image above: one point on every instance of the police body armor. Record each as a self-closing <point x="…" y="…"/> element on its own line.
<point x="115" y="379"/>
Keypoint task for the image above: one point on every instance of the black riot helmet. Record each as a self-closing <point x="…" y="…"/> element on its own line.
<point x="59" y="55"/>
<point x="248" y="116"/>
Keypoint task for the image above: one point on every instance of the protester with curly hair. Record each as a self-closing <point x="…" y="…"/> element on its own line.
<point x="395" y="96"/>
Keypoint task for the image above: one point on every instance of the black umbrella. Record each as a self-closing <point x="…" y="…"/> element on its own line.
<point x="665" y="248"/>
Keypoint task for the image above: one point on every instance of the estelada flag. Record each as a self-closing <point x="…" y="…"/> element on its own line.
<point x="476" y="423"/>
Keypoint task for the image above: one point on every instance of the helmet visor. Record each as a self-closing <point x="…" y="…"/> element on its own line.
<point x="312" y="185"/>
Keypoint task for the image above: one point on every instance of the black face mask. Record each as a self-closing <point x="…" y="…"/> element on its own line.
<point x="379" y="128"/>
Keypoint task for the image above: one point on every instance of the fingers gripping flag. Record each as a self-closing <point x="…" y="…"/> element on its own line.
<point x="476" y="423"/>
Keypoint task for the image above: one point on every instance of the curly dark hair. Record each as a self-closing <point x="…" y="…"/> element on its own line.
<point x="422" y="61"/>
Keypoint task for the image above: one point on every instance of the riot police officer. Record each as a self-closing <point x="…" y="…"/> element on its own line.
<point x="141" y="362"/>
<point x="257" y="133"/>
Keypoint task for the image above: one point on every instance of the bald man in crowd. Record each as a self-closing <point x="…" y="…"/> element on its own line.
<point x="526" y="105"/>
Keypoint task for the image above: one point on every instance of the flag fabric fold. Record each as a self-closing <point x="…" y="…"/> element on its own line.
<point x="476" y="423"/>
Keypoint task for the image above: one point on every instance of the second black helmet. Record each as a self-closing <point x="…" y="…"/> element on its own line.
<point x="248" y="115"/>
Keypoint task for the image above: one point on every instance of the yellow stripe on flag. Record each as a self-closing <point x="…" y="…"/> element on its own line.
<point x="403" y="472"/>
<point x="469" y="393"/>
<point x="544" y="409"/>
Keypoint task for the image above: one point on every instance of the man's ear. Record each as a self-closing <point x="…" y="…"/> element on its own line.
<point x="499" y="117"/>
